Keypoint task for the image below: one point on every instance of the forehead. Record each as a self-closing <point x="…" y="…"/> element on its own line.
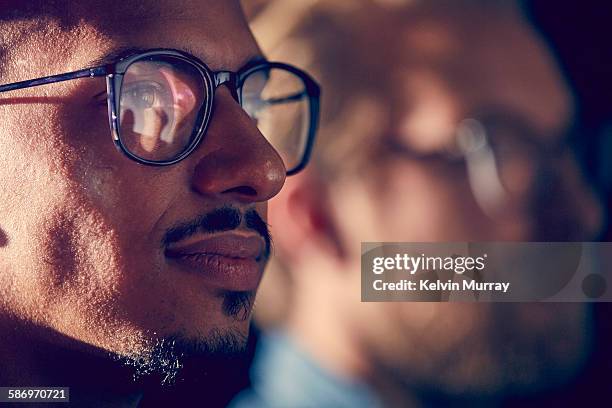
<point x="441" y="65"/>
<point x="213" y="30"/>
<point x="485" y="63"/>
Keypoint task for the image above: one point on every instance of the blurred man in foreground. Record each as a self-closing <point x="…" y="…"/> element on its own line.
<point x="404" y="86"/>
<point x="134" y="193"/>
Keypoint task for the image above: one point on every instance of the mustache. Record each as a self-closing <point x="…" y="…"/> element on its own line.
<point x="219" y="220"/>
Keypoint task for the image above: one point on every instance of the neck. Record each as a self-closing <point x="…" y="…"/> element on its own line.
<point x="315" y="325"/>
<point x="318" y="326"/>
<point x="34" y="357"/>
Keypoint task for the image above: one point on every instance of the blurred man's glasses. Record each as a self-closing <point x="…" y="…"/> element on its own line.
<point x="506" y="161"/>
<point x="160" y="104"/>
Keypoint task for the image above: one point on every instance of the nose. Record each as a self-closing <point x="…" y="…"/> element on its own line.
<point x="235" y="160"/>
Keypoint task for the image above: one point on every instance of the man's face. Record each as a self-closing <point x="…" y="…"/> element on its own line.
<point x="413" y="192"/>
<point x="88" y="233"/>
<point x="443" y="70"/>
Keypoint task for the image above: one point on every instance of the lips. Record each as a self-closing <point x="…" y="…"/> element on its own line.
<point x="230" y="261"/>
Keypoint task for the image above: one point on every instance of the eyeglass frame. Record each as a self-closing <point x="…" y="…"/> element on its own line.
<point x="115" y="71"/>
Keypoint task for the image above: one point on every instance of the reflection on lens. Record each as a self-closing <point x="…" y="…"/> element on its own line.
<point x="277" y="99"/>
<point x="161" y="101"/>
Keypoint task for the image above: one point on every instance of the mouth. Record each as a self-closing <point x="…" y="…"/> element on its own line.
<point x="232" y="261"/>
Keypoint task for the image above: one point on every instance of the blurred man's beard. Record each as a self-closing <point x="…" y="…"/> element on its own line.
<point x="519" y="348"/>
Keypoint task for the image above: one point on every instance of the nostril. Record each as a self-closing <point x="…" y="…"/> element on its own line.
<point x="242" y="190"/>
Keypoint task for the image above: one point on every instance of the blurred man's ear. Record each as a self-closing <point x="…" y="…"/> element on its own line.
<point x="302" y="221"/>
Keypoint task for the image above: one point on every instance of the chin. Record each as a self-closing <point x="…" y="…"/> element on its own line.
<point x="164" y="357"/>
<point x="184" y="307"/>
<point x="229" y="312"/>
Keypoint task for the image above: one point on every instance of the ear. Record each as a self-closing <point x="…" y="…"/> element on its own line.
<point x="301" y="219"/>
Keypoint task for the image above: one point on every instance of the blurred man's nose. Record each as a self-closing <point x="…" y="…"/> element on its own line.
<point x="235" y="160"/>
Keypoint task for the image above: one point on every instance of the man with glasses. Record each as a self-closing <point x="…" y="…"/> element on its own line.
<point x="445" y="121"/>
<point x="140" y="142"/>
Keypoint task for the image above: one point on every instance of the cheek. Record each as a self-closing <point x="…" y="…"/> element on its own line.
<point x="408" y="202"/>
<point x="61" y="257"/>
<point x="67" y="211"/>
<point x="82" y="253"/>
<point x="76" y="269"/>
<point x="131" y="196"/>
<point x="424" y="206"/>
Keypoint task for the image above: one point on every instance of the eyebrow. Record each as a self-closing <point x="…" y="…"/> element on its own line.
<point x="112" y="56"/>
<point x="121" y="52"/>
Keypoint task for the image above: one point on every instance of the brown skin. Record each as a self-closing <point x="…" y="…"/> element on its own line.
<point x="81" y="223"/>
<point x="447" y="65"/>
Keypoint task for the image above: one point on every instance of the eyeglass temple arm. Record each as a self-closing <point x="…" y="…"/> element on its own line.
<point x="83" y="73"/>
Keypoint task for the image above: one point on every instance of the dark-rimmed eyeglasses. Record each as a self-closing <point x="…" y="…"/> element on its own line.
<point x="160" y="104"/>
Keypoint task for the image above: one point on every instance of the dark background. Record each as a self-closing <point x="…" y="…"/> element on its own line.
<point x="581" y="35"/>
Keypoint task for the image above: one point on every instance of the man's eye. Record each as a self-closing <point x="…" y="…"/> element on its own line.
<point x="146" y="95"/>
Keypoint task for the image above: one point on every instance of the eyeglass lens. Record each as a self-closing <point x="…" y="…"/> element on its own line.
<point x="163" y="102"/>
<point x="278" y="101"/>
